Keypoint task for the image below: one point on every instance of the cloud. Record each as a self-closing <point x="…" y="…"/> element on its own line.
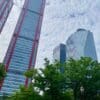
<point x="62" y="18"/>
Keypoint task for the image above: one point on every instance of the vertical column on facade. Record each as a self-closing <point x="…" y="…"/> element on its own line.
<point x="15" y="36"/>
<point x="10" y="51"/>
<point x="36" y="40"/>
<point x="5" y="8"/>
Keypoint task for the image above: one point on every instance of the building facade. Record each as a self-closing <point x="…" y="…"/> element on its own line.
<point x="81" y="44"/>
<point x="5" y="8"/>
<point x="59" y="53"/>
<point x="22" y="50"/>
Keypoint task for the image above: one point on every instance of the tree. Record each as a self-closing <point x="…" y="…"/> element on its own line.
<point x="27" y="93"/>
<point x="84" y="73"/>
<point x="52" y="82"/>
<point x="2" y="72"/>
<point x="2" y="75"/>
<point x="47" y="84"/>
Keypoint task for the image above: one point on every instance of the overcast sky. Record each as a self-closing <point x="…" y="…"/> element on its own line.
<point x="62" y="18"/>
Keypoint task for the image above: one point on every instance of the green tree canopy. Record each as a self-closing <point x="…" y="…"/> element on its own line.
<point x="84" y="73"/>
<point x="25" y="93"/>
<point x="50" y="83"/>
<point x="2" y="71"/>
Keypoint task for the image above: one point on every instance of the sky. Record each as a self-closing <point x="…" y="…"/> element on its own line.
<point x="61" y="19"/>
<point x="64" y="17"/>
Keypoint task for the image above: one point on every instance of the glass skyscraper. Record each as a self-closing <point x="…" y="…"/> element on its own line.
<point x="59" y="53"/>
<point x="5" y="8"/>
<point x="21" y="54"/>
<point x="81" y="44"/>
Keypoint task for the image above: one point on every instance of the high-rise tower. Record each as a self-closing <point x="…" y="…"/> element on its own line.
<point x="5" y="7"/>
<point x="22" y="50"/>
<point x="59" y="53"/>
<point x="81" y="44"/>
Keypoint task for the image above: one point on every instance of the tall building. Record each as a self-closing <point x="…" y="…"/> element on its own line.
<point x="59" y="53"/>
<point x="81" y="44"/>
<point x="21" y="52"/>
<point x="5" y="8"/>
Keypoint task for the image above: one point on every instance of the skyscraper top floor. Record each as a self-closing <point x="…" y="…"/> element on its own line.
<point x="81" y="43"/>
